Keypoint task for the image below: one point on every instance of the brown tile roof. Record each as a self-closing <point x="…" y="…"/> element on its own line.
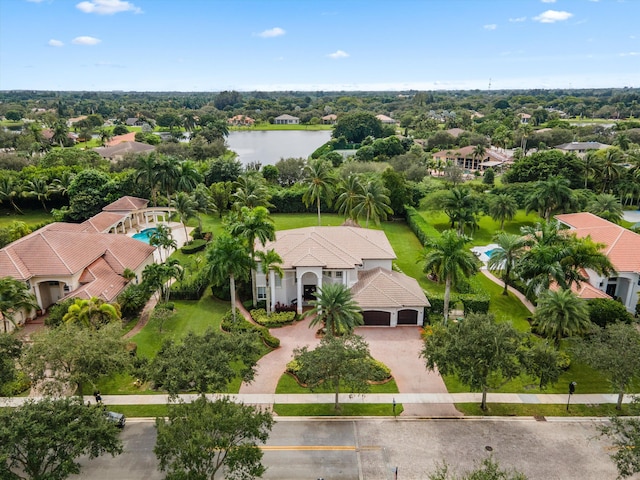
<point x="55" y="250"/>
<point x="126" y="204"/>
<point x="467" y="152"/>
<point x="381" y="288"/>
<point x="99" y="280"/>
<point x="102" y="222"/>
<point x="621" y="245"/>
<point x="118" y="139"/>
<point x="330" y="247"/>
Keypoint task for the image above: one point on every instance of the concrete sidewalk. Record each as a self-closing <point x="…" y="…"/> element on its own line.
<point x="403" y="398"/>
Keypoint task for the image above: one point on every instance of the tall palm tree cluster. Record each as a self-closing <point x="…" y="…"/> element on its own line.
<point x="40" y="188"/>
<point x="356" y="196"/>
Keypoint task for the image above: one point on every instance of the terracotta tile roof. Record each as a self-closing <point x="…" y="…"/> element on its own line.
<point x="126" y="204"/>
<point x="621" y="245"/>
<point x="99" y="280"/>
<point x="102" y="222"/>
<point x="55" y="250"/>
<point x="381" y="288"/>
<point x="329" y="247"/>
<point x="127" y="137"/>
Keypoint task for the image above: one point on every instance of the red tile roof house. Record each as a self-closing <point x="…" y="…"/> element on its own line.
<point x="241" y="121"/>
<point x="622" y="246"/>
<point x="82" y="260"/>
<point x="357" y="257"/>
<point x="463" y="158"/>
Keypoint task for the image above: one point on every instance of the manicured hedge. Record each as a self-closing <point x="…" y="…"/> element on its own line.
<point x="476" y="303"/>
<point x="190" y="288"/>
<point x="242" y="325"/>
<point x="194" y="246"/>
<point x="419" y="225"/>
<point x="276" y="319"/>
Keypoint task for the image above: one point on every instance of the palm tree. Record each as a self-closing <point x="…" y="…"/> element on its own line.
<point x="592" y="165"/>
<point x="92" y="313"/>
<point x="560" y="313"/>
<point x="254" y="224"/>
<point x="611" y="168"/>
<point x="549" y="196"/>
<point x="479" y="152"/>
<point x="505" y="257"/>
<point x="203" y="201"/>
<point x="335" y="308"/>
<point x="320" y="184"/>
<point x="146" y="167"/>
<point x="14" y="296"/>
<point x="105" y="136"/>
<point x="449" y="259"/>
<point x="373" y="202"/>
<point x="606" y="206"/>
<point x="582" y="253"/>
<point x="61" y="184"/>
<point x="461" y="208"/>
<point x="228" y="258"/>
<point x="39" y="189"/>
<point x="159" y="275"/>
<point x="251" y="192"/>
<point x="188" y="176"/>
<point x="270" y="260"/>
<point x="349" y="189"/>
<point x="9" y="191"/>
<point x="60" y="133"/>
<point x="185" y="208"/>
<point x="163" y="239"/>
<point x="502" y="207"/>
<point x="167" y="173"/>
<point x="189" y="121"/>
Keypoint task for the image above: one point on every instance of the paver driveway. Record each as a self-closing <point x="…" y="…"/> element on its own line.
<point x="398" y="348"/>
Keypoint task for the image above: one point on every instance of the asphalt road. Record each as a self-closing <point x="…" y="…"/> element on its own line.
<point x="371" y="449"/>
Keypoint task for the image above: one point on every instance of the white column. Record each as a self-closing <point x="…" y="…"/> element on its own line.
<point x="299" y="292"/>
<point x="272" y="283"/>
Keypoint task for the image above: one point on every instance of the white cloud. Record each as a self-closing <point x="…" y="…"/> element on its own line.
<point x="35" y="1"/>
<point x="630" y="54"/>
<point x="84" y="40"/>
<point x="55" y="43"/>
<point x="552" y="16"/>
<point x="517" y="19"/>
<point x="548" y="1"/>
<point x="107" y="7"/>
<point x="272" y="32"/>
<point x="338" y="54"/>
<point x="491" y="26"/>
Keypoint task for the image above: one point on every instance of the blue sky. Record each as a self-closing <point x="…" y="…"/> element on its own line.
<point x="214" y="45"/>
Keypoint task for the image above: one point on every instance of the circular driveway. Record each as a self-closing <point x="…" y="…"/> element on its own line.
<point x="399" y="348"/>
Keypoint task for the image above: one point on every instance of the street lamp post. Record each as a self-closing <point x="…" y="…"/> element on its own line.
<point x="572" y="390"/>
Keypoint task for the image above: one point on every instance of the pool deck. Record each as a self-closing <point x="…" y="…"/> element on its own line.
<point x="177" y="230"/>
<point x="481" y="252"/>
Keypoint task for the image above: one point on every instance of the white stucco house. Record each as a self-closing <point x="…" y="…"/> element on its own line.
<point x="357" y="257"/>
<point x="621" y="246"/>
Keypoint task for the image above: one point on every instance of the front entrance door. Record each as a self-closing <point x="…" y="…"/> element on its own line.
<point x="308" y="292"/>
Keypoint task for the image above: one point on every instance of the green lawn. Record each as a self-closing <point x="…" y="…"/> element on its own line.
<point x="190" y="315"/>
<point x="528" y="410"/>
<point x="30" y="217"/>
<point x="288" y="384"/>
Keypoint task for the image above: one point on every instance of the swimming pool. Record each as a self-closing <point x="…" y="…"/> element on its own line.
<point x="145" y="234"/>
<point x="488" y="253"/>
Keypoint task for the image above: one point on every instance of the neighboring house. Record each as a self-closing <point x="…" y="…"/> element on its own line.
<point x="83" y="260"/>
<point x="464" y="158"/>
<point x="525" y="118"/>
<point x="581" y="148"/>
<point x="73" y="120"/>
<point x="455" y="132"/>
<point x="621" y="246"/>
<point x="117" y="152"/>
<point x="241" y="121"/>
<point x="330" y="119"/>
<point x="386" y="120"/>
<point x="286" y="120"/>
<point x="134" y="122"/>
<point x="356" y="257"/>
<point x="118" y="139"/>
<point x="47" y="134"/>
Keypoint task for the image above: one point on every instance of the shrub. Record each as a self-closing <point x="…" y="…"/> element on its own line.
<point x="380" y="371"/>
<point x="132" y="348"/>
<point x="190" y="288"/>
<point x="564" y="360"/>
<point x="281" y="307"/>
<point x="133" y="299"/>
<point x="194" y="246"/>
<point x="57" y="311"/>
<point x="476" y="303"/>
<point x="242" y="325"/>
<point x="276" y="319"/>
<point x="604" y="311"/>
<point x="20" y="385"/>
<point x="419" y="226"/>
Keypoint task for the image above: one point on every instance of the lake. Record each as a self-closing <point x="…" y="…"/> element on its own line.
<point x="269" y="146"/>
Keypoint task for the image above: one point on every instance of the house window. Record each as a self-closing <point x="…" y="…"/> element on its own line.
<point x="338" y="274"/>
<point x="328" y="274"/>
<point x="262" y="293"/>
<point x="66" y="287"/>
<point x="278" y="281"/>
